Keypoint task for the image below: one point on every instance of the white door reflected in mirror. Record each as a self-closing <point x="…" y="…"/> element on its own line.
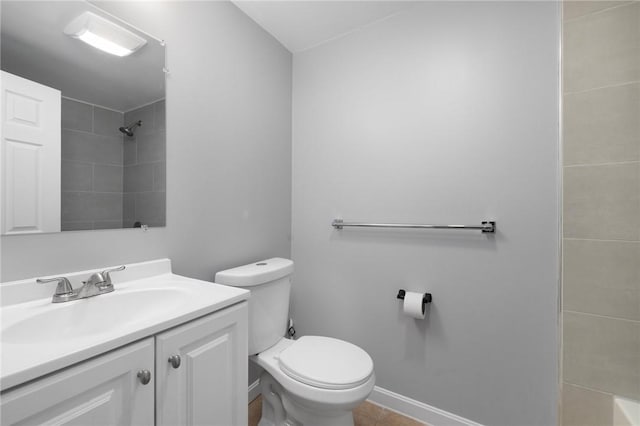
<point x="30" y="156"/>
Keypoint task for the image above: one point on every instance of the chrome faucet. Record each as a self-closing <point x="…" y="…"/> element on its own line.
<point x="98" y="283"/>
<point x="64" y="291"/>
<point x="94" y="286"/>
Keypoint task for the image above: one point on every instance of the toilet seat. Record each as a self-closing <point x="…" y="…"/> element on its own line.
<point x="269" y="360"/>
<point x="326" y="363"/>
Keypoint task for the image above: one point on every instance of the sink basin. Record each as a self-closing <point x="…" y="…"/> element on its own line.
<point x="38" y="337"/>
<point x="94" y="316"/>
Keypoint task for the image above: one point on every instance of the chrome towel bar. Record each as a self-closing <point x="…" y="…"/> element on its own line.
<point x="487" y="227"/>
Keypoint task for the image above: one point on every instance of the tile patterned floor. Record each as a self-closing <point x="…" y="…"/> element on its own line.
<point x="367" y="414"/>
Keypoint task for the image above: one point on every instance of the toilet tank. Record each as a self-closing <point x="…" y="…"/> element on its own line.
<point x="270" y="284"/>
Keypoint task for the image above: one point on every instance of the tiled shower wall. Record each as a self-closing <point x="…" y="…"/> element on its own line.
<point x="92" y="169"/>
<point x="145" y="167"/>
<point x="601" y="255"/>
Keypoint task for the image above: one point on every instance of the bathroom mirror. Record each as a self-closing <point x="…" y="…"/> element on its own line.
<point x="109" y="80"/>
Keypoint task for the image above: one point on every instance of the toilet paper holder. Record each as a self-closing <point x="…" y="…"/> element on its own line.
<point x="425" y="299"/>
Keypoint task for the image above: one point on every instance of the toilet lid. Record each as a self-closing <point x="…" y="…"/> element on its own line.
<point x="326" y="363"/>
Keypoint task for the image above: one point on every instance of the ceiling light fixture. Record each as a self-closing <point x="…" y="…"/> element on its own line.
<point x="104" y="34"/>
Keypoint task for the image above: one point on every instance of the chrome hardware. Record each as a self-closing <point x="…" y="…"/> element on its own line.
<point x="107" y="274"/>
<point x="64" y="290"/>
<point x="98" y="283"/>
<point x="94" y="286"/>
<point x="95" y="279"/>
<point x="174" y="360"/>
<point x="487" y="227"/>
<point x="144" y="376"/>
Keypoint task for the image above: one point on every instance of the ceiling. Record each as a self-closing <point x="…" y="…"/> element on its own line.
<point x="301" y="24"/>
<point x="35" y="47"/>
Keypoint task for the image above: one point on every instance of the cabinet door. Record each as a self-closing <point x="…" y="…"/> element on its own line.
<point x="209" y="387"/>
<point x="30" y="128"/>
<point x="101" y="391"/>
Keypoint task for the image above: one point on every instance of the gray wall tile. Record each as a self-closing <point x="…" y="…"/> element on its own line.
<point x="107" y="122"/>
<point x="107" y="206"/>
<point x="138" y="178"/>
<point x="145" y="166"/>
<point x="88" y="147"/>
<point x="109" y="150"/>
<point x="150" y="207"/>
<point x="602" y="277"/>
<point x="585" y="407"/>
<point x="78" y="146"/>
<point x="602" y="125"/>
<point x="602" y="353"/>
<point x="129" y="207"/>
<point x="77" y="206"/>
<point x="108" y="178"/>
<point x="602" y="49"/>
<point x="130" y="151"/>
<point x="602" y="202"/>
<point x="601" y="58"/>
<point x="76" y="115"/>
<point x="76" y="226"/>
<point x="574" y="9"/>
<point x="159" y="176"/>
<point x="91" y="206"/>
<point x="76" y="176"/>
<point x="151" y="147"/>
<point x="107" y="224"/>
<point x="92" y="162"/>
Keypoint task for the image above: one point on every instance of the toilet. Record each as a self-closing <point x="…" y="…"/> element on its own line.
<point x="312" y="381"/>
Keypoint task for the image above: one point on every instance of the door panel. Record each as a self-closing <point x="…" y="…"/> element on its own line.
<point x="31" y="150"/>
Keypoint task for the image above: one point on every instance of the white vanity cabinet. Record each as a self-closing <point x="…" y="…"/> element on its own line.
<point x="201" y="371"/>
<point x="209" y="386"/>
<point x="104" y="390"/>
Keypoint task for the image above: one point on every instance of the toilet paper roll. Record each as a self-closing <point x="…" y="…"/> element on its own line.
<point x="413" y="305"/>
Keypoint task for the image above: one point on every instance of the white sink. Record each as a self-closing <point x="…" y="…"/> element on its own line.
<point x="94" y="315"/>
<point x="38" y="337"/>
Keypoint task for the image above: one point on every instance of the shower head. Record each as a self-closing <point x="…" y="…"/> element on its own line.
<point x="129" y="129"/>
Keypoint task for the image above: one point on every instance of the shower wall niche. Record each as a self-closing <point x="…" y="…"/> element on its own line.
<point x="110" y="180"/>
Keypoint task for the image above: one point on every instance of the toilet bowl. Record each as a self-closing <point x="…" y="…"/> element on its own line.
<point x="315" y="380"/>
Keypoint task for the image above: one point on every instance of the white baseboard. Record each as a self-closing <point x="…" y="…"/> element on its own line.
<point x="406" y="406"/>
<point x="418" y="410"/>
<point x="254" y="390"/>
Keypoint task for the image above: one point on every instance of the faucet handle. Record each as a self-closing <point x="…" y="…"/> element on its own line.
<point x="64" y="290"/>
<point x="107" y="274"/>
<point x="64" y="286"/>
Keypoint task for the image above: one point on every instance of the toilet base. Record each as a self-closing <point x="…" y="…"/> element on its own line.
<point x="279" y="408"/>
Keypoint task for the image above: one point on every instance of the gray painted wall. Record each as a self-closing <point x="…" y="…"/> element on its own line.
<point x="228" y="152"/>
<point x="445" y="113"/>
